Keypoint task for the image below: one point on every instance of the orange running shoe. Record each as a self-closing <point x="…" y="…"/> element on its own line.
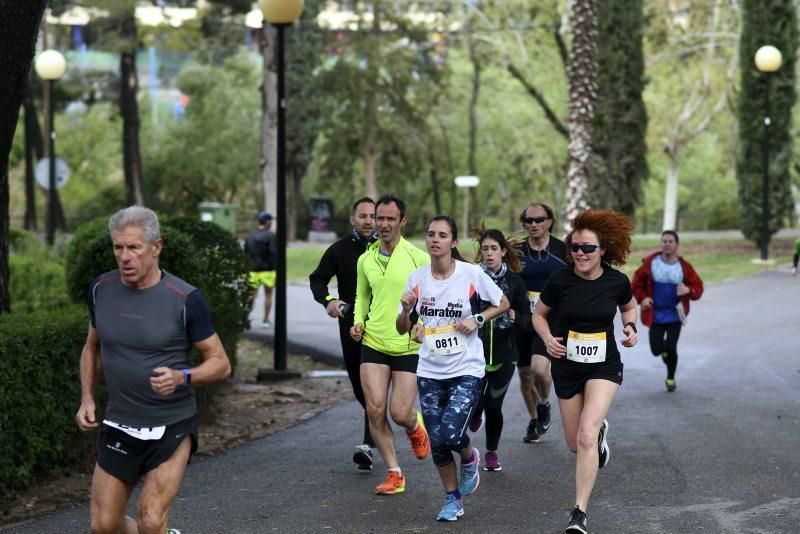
<point x="419" y="439"/>
<point x="393" y="483"/>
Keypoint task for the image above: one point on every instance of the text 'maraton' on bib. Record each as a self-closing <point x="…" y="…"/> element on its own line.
<point x="586" y="348"/>
<point x="443" y="340"/>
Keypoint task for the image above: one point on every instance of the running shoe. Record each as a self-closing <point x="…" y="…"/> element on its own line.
<point x="267" y="324"/>
<point x="577" y="522"/>
<point x="363" y="457"/>
<point x="492" y="462"/>
<point x="419" y="439"/>
<point x="671" y="386"/>
<point x="475" y="423"/>
<point x="542" y="418"/>
<point x="531" y="436"/>
<point x="470" y="476"/>
<point x="602" y="444"/>
<point x="393" y="483"/>
<point x="173" y="531"/>
<point x="453" y="509"/>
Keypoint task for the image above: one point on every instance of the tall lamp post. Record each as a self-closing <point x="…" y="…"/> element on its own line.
<point x="768" y="59"/>
<point x="281" y="13"/>
<point x="50" y="66"/>
<point x="465" y="182"/>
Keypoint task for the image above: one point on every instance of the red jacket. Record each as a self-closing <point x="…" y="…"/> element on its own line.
<point x="642" y="284"/>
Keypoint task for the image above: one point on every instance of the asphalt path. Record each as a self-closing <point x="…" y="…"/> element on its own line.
<point x="717" y="456"/>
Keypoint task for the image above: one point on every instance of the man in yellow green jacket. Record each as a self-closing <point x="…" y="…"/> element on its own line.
<point x="386" y="356"/>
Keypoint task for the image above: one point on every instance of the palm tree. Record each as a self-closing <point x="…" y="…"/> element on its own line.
<point x="582" y="79"/>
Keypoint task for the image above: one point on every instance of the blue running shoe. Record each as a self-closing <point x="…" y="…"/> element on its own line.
<point x="470" y="476"/>
<point x="453" y="509"/>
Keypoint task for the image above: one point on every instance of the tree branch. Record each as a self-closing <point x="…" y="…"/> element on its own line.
<point x="548" y="111"/>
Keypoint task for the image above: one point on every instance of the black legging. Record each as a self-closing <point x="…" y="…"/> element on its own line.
<point x="664" y="338"/>
<point x="351" y="352"/>
<point x="495" y="386"/>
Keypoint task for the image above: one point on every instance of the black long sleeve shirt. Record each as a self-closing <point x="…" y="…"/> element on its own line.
<point x="340" y="261"/>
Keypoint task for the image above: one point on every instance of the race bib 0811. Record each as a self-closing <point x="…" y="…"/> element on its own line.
<point x="443" y="340"/>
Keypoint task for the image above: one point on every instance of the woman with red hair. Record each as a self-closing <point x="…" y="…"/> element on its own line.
<point x="575" y="319"/>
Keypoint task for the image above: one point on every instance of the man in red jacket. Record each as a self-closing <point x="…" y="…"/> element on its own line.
<point x="664" y="285"/>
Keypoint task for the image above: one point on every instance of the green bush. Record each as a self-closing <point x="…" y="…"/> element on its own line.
<point x="40" y="393"/>
<point x="36" y="283"/>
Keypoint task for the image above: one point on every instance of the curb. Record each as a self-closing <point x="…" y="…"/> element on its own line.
<point x="317" y="353"/>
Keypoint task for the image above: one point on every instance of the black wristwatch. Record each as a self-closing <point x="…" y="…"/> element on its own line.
<point x="479" y="319"/>
<point x="632" y="325"/>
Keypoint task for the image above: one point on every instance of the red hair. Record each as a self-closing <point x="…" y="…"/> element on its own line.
<point x="614" y="231"/>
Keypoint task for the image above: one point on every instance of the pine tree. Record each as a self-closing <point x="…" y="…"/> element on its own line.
<point x="618" y="161"/>
<point x="772" y="22"/>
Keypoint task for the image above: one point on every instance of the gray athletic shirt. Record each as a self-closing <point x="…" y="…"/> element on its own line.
<point x="139" y="330"/>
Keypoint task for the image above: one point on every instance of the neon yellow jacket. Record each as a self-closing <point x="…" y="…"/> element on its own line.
<point x="378" y="292"/>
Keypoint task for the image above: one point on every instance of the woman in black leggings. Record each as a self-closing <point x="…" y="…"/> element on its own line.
<point x="501" y="262"/>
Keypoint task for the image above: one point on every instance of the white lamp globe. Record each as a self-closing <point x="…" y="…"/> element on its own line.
<point x="51" y="65"/>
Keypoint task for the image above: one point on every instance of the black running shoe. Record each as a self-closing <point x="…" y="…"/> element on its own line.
<point x="577" y="522"/>
<point x="531" y="436"/>
<point x="363" y="457"/>
<point x="542" y="418"/>
<point x="602" y="444"/>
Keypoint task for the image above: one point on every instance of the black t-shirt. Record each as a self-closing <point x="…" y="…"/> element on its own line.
<point x="586" y="306"/>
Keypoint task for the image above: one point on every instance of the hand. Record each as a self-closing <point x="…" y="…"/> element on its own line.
<point x="408" y="300"/>
<point x="357" y="331"/>
<point x="512" y="315"/>
<point x="630" y="336"/>
<point x="86" y="416"/>
<point x="467" y="326"/>
<point x="333" y="308"/>
<point x="418" y="333"/>
<point x="647" y="303"/>
<point x="682" y="289"/>
<point x="555" y="347"/>
<point x="165" y="380"/>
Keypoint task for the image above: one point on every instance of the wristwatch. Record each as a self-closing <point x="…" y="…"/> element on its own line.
<point x="632" y="325"/>
<point x="187" y="377"/>
<point x="479" y="319"/>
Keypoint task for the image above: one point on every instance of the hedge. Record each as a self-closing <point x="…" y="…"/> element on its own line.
<point x="40" y="394"/>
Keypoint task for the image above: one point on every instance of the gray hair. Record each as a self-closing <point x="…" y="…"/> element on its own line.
<point x="137" y="216"/>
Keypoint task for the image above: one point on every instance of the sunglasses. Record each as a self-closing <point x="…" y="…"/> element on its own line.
<point x="587" y="249"/>
<point x="537" y="220"/>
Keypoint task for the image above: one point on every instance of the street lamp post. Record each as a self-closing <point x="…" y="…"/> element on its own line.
<point x="768" y="59"/>
<point x="50" y="66"/>
<point x="281" y="13"/>
<point x="465" y="182"/>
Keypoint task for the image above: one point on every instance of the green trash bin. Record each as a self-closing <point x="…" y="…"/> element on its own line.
<point x="222" y="214"/>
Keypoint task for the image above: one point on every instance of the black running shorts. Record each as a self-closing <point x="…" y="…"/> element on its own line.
<point x="569" y="378"/>
<point x="406" y="362"/>
<point x="128" y="458"/>
<point x="528" y="344"/>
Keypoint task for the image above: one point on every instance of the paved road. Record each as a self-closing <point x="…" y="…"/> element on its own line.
<point x="717" y="456"/>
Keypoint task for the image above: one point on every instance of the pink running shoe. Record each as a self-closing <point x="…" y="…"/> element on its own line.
<point x="492" y="462"/>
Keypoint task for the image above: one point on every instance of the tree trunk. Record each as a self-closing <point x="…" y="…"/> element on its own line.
<point x="129" y="110"/>
<point x="294" y="206"/>
<point x="269" y="119"/>
<point x="582" y="74"/>
<point x="370" y="179"/>
<point x="19" y="25"/>
<point x="671" y="192"/>
<point x="473" y="132"/>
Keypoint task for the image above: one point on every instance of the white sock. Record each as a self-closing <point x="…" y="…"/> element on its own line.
<point x="396" y="470"/>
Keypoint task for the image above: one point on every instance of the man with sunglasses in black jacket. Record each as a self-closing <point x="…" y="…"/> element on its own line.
<point x="541" y="254"/>
<point x="340" y="261"/>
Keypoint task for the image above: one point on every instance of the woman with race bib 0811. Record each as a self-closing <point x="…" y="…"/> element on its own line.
<point x="575" y="318"/>
<point x="445" y="296"/>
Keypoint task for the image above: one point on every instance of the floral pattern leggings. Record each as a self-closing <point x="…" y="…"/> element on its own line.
<point x="446" y="407"/>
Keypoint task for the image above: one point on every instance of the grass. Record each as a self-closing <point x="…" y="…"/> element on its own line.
<point x="714" y="259"/>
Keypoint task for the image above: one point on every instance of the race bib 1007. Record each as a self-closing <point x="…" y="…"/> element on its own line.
<point x="586" y="348"/>
<point x="445" y="340"/>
